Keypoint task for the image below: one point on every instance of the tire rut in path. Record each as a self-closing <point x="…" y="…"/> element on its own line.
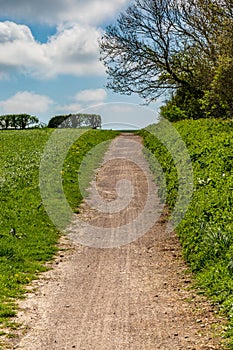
<point x="128" y="297"/>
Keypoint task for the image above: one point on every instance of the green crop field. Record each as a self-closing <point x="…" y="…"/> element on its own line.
<point x="206" y="233"/>
<point x="27" y="236"/>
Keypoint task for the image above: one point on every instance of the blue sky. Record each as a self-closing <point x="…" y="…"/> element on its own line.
<point x="49" y="62"/>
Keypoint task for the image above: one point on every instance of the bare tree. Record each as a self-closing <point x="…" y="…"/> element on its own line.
<point x="164" y="44"/>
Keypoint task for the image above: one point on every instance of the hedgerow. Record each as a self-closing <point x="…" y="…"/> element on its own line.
<point x="206" y="232"/>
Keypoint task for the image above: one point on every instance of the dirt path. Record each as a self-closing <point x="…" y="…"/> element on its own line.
<point x="132" y="296"/>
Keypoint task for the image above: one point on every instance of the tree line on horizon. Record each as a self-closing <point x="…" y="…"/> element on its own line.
<point x="78" y="120"/>
<point x="24" y="121"/>
<point x="17" y="121"/>
<point x="180" y="49"/>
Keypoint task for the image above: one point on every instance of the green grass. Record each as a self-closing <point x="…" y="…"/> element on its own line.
<point x="206" y="233"/>
<point x="28" y="238"/>
<point x="77" y="175"/>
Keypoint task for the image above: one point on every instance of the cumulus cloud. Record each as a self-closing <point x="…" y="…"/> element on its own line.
<point x="73" y="50"/>
<point x="97" y="95"/>
<point x="26" y="102"/>
<point x="10" y="32"/>
<point x="61" y="11"/>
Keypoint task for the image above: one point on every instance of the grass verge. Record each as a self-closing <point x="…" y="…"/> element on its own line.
<point x="27" y="236"/>
<point x="206" y="232"/>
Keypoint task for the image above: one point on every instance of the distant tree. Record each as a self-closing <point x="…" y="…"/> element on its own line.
<point x="17" y="121"/>
<point x="75" y="121"/>
<point x="5" y="121"/>
<point x="22" y="121"/>
<point x="54" y="122"/>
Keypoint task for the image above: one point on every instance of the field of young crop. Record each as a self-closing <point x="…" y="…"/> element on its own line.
<point x="27" y="236"/>
<point x="206" y="233"/>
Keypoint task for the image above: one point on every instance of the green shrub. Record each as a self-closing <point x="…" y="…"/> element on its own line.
<point x="172" y="112"/>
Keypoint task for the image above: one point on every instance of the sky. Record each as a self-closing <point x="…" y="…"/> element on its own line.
<point x="49" y="62"/>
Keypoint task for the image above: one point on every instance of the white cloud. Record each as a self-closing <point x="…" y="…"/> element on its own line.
<point x="62" y="11"/>
<point x="10" y="32"/>
<point x="69" y="108"/>
<point x="73" y="50"/>
<point x="97" y="95"/>
<point x="82" y="99"/>
<point x="26" y="102"/>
